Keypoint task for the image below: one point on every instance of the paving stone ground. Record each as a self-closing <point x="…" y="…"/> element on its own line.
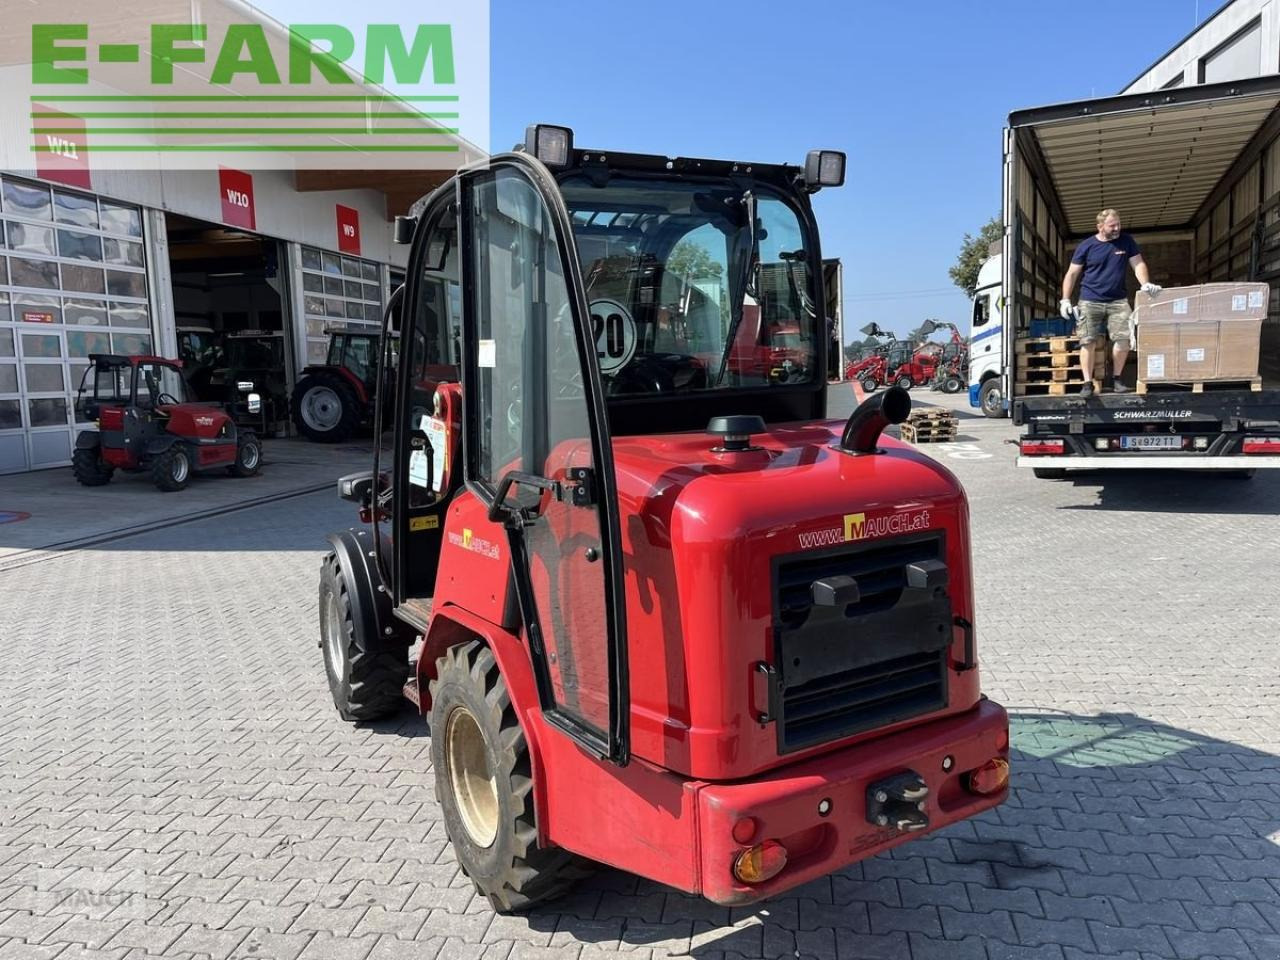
<point x="175" y="782"/>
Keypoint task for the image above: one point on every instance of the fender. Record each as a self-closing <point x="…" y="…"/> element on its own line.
<point x="354" y="382"/>
<point x="370" y="605"/>
<point x="452" y="625"/>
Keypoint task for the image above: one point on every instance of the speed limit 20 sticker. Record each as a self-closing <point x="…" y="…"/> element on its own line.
<point x="614" y="331"/>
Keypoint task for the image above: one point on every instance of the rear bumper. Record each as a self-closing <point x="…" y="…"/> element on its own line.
<point x="784" y="806"/>
<point x="1140" y="461"/>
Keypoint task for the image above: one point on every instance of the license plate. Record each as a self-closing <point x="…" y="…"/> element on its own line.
<point x="1151" y="441"/>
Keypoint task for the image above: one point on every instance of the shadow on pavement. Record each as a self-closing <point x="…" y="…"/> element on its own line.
<point x="1120" y="836"/>
<point x="1180" y="491"/>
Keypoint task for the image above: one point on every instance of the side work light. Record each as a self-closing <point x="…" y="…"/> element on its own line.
<point x="824" y="168"/>
<point x="552" y="145"/>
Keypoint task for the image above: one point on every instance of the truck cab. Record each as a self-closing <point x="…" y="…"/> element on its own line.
<point x="986" y="341"/>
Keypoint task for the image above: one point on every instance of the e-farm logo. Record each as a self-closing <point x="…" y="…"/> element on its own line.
<point x="858" y="527"/>
<point x="113" y="86"/>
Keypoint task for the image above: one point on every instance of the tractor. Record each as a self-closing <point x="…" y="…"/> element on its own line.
<point x="148" y="421"/>
<point x="872" y="371"/>
<point x="952" y="365"/>
<point x="697" y="630"/>
<point x="332" y="400"/>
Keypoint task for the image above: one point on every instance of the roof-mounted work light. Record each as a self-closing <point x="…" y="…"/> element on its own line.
<point x="823" y="168"/>
<point x="552" y="145"/>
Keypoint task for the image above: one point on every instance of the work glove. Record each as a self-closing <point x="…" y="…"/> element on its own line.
<point x="1067" y="310"/>
<point x="1152" y="289"/>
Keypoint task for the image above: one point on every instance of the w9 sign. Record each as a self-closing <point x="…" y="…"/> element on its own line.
<point x="614" y="332"/>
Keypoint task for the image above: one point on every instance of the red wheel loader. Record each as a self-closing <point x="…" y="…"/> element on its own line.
<point x="659" y="610"/>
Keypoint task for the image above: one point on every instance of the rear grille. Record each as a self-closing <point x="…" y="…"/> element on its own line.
<point x="869" y="663"/>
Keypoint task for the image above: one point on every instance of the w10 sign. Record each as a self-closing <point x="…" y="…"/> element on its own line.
<point x="236" y="190"/>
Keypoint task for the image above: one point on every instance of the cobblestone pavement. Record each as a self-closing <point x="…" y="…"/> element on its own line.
<point x="176" y="784"/>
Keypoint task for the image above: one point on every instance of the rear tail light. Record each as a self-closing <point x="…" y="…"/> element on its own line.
<point x="1262" y="444"/>
<point x="760" y="863"/>
<point x="991" y="777"/>
<point x="1041" y="448"/>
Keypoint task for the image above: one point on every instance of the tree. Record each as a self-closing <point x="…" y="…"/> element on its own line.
<point x="974" y="250"/>
<point x="689" y="261"/>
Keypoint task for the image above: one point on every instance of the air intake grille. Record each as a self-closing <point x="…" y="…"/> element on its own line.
<point x="865" y="664"/>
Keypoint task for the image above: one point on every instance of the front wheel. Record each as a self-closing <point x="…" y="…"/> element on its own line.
<point x="952" y="385"/>
<point x="484" y="784"/>
<point x="869" y="384"/>
<point x="248" y="455"/>
<point x="172" y="469"/>
<point x="365" y="683"/>
<point x="89" y="468"/>
<point x="991" y="399"/>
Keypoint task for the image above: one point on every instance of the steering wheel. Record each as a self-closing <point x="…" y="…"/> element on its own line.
<point x="172" y="400"/>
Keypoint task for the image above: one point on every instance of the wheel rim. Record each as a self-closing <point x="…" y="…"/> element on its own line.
<point x="321" y="408"/>
<point x="333" y="634"/>
<point x="249" y="456"/>
<point x="181" y="467"/>
<point x="475" y="788"/>
<point x="993" y="399"/>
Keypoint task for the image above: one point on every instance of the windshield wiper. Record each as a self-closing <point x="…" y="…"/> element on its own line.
<point x="744" y="283"/>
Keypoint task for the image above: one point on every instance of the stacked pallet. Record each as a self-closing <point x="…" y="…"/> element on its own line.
<point x="930" y="425"/>
<point x="1050" y="366"/>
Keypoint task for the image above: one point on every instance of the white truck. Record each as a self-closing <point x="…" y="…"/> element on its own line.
<point x="1195" y="173"/>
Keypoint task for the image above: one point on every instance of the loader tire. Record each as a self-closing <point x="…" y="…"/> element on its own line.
<point x="365" y="685"/>
<point x="171" y="469"/>
<point x="484" y="783"/>
<point x="89" y="468"/>
<point x="325" y="408"/>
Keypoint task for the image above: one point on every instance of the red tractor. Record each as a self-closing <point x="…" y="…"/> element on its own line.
<point x="702" y="632"/>
<point x="334" y="399"/>
<point x="951" y="370"/>
<point x="148" y="421"/>
<point x="873" y="371"/>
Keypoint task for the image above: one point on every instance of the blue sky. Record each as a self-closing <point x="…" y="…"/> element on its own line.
<point x="916" y="93"/>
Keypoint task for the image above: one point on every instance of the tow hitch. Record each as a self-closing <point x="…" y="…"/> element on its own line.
<point x="898" y="802"/>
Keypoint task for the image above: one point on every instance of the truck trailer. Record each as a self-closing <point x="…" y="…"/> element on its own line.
<point x="1195" y="174"/>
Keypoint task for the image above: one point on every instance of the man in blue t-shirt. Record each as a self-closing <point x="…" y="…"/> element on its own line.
<point x="1104" y="302"/>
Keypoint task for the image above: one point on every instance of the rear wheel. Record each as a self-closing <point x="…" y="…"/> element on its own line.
<point x="89" y="468"/>
<point x="903" y="381"/>
<point x="484" y="783"/>
<point x="1049" y="473"/>
<point x="325" y="408"/>
<point x="991" y="399"/>
<point x="365" y="684"/>
<point x="171" y="470"/>
<point x="248" y="455"/>
<point x="869" y="384"/>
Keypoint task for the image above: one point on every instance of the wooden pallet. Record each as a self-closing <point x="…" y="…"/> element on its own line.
<point x="1053" y="389"/>
<point x="930" y="413"/>
<point x="1047" y="345"/>
<point x="1254" y="384"/>
<point x="1044" y="361"/>
<point x="922" y="432"/>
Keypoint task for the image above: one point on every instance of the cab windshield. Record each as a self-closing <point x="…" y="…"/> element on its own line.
<point x="685" y="293"/>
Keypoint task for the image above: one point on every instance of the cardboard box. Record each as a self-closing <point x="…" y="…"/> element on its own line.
<point x="1234" y="301"/>
<point x="1238" y="342"/>
<point x="1197" y="354"/>
<point x="1207" y="301"/>
<point x="1157" y="350"/>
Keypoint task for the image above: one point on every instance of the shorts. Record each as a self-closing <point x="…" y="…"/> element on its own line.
<point x="1099" y="320"/>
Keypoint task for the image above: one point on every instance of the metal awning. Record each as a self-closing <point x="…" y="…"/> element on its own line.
<point x="1155" y="157"/>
